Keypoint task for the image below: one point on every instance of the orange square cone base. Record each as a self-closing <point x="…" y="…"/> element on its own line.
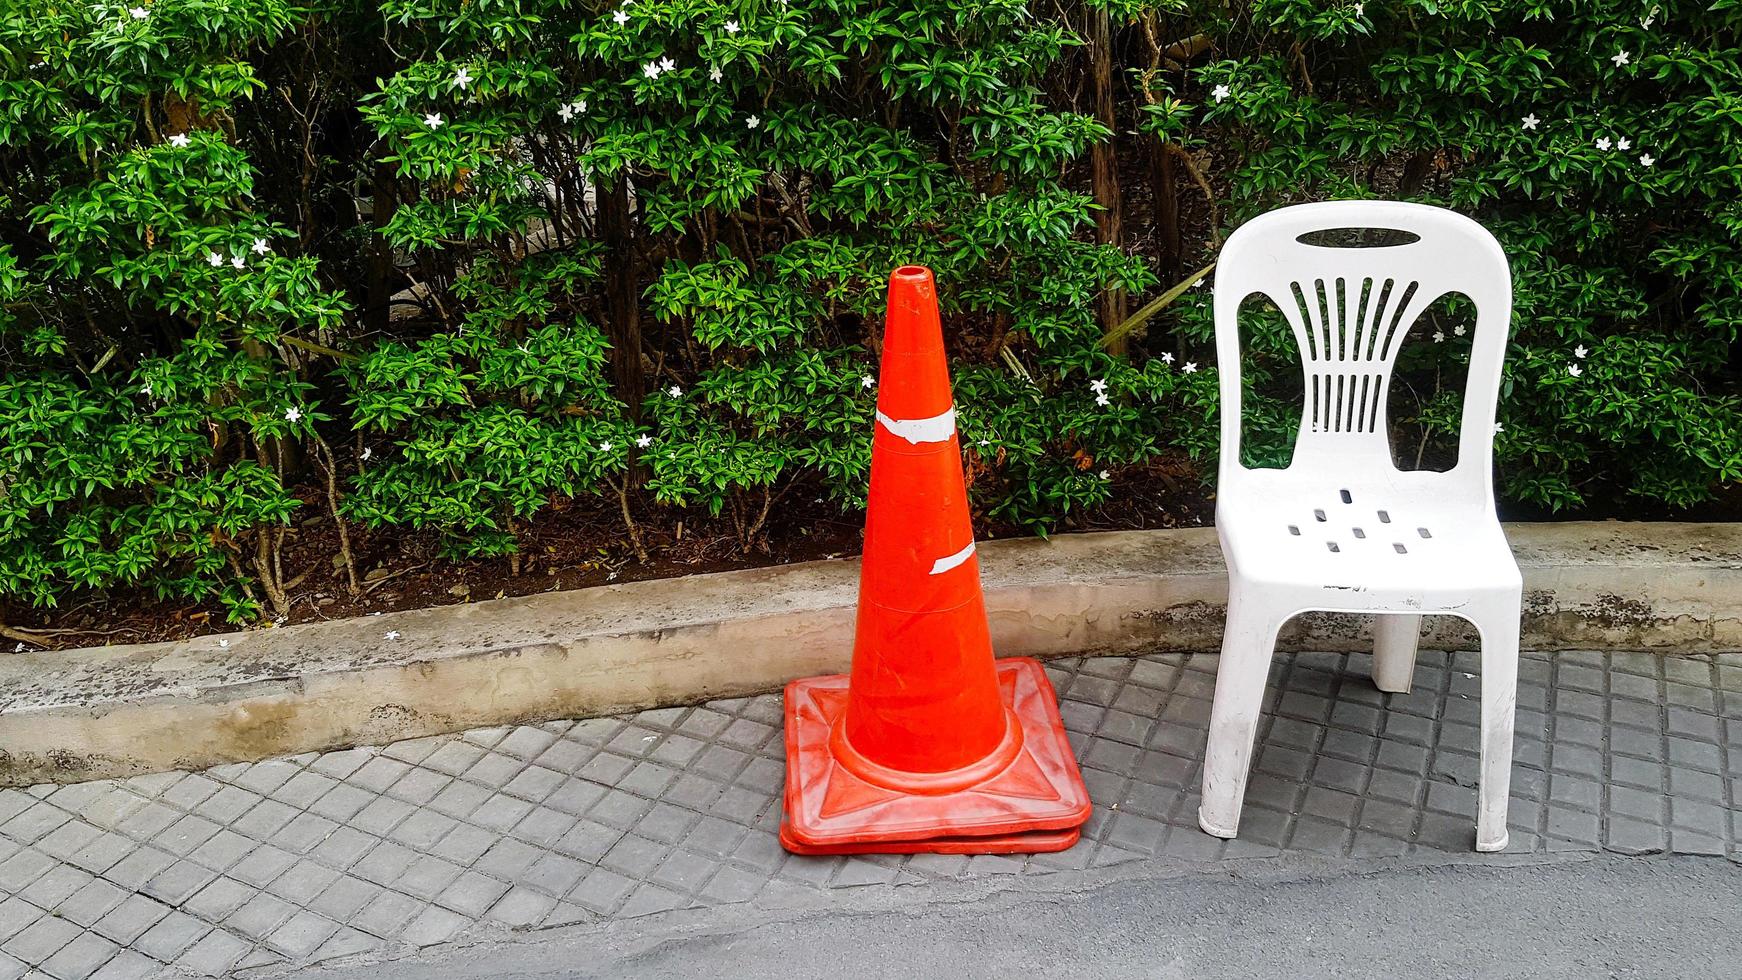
<point x="1033" y="842"/>
<point x="1022" y="805"/>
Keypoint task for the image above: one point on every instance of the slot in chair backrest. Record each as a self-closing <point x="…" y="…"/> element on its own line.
<point x="1350" y="309"/>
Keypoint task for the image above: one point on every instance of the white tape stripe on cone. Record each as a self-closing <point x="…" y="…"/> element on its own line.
<point x="938" y="428"/>
<point x="943" y="565"/>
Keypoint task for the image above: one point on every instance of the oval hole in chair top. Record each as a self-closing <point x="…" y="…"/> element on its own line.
<point x="1358" y="238"/>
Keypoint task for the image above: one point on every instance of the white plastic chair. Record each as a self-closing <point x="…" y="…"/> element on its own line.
<point x="1341" y="529"/>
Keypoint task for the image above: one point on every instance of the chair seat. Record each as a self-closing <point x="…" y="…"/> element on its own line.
<point x="1396" y="542"/>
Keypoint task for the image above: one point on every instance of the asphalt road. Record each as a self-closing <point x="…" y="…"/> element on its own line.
<point x="1601" y="917"/>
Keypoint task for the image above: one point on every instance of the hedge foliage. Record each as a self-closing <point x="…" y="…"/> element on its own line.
<point x="444" y="264"/>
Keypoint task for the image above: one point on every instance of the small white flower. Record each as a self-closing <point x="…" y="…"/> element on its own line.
<point x="731" y="27"/>
<point x="867" y="381"/>
<point x="1646" y="160"/>
<point x="390" y="635"/>
<point x="1603" y="143"/>
<point x="1360" y="10"/>
<point x="1105" y="475"/>
<point x="985" y="442"/>
<point x="260" y="247"/>
<point x="238" y="260"/>
<point x="621" y="17"/>
<point x="752" y="122"/>
<point x="139" y="13"/>
<point x="367" y="452"/>
<point x="1439" y="336"/>
<point x="293" y="414"/>
<point x="605" y="446"/>
<point x="1098" y="385"/>
<point x="666" y="64"/>
<point x="1167" y="357"/>
<point x="715" y="75"/>
<point x="651" y="69"/>
<point x="214" y="260"/>
<point x="1575" y="370"/>
<point x="1191" y="367"/>
<point x="1580" y="352"/>
<point x="1460" y="330"/>
<point x="145" y="389"/>
<point x="433" y="120"/>
<point x="674" y="391"/>
<point x="462" y="78"/>
<point x="1498" y="428"/>
<point x="1220" y="93"/>
<point x="643" y="441"/>
<point x="1103" y="400"/>
<point x="179" y="140"/>
<point x="1623" y="144"/>
<point x="1530" y="121"/>
<point x="1621" y="58"/>
<point x="223" y="643"/>
<point x="569" y="110"/>
<point x="1650" y="19"/>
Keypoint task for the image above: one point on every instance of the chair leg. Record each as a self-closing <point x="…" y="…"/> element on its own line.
<point x="1394" y="638"/>
<point x="1248" y="643"/>
<point x="1499" y="714"/>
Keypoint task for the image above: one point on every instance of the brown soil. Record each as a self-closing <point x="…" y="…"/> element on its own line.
<point x="583" y="544"/>
<point x="575" y="546"/>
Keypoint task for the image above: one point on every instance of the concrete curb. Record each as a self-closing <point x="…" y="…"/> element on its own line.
<point x="123" y="710"/>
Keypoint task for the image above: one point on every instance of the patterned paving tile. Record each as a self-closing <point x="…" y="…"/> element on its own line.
<point x="318" y="856"/>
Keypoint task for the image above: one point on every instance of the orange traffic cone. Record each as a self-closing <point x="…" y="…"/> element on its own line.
<point x="930" y="744"/>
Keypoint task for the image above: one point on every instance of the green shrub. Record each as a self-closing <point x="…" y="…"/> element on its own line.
<point x="1600" y="142"/>
<point x="443" y="264"/>
<point x="153" y="395"/>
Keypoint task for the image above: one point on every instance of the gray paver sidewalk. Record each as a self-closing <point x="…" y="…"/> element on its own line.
<point x="377" y="850"/>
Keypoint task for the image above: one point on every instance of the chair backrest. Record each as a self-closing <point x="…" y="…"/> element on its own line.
<point x="1350" y="308"/>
